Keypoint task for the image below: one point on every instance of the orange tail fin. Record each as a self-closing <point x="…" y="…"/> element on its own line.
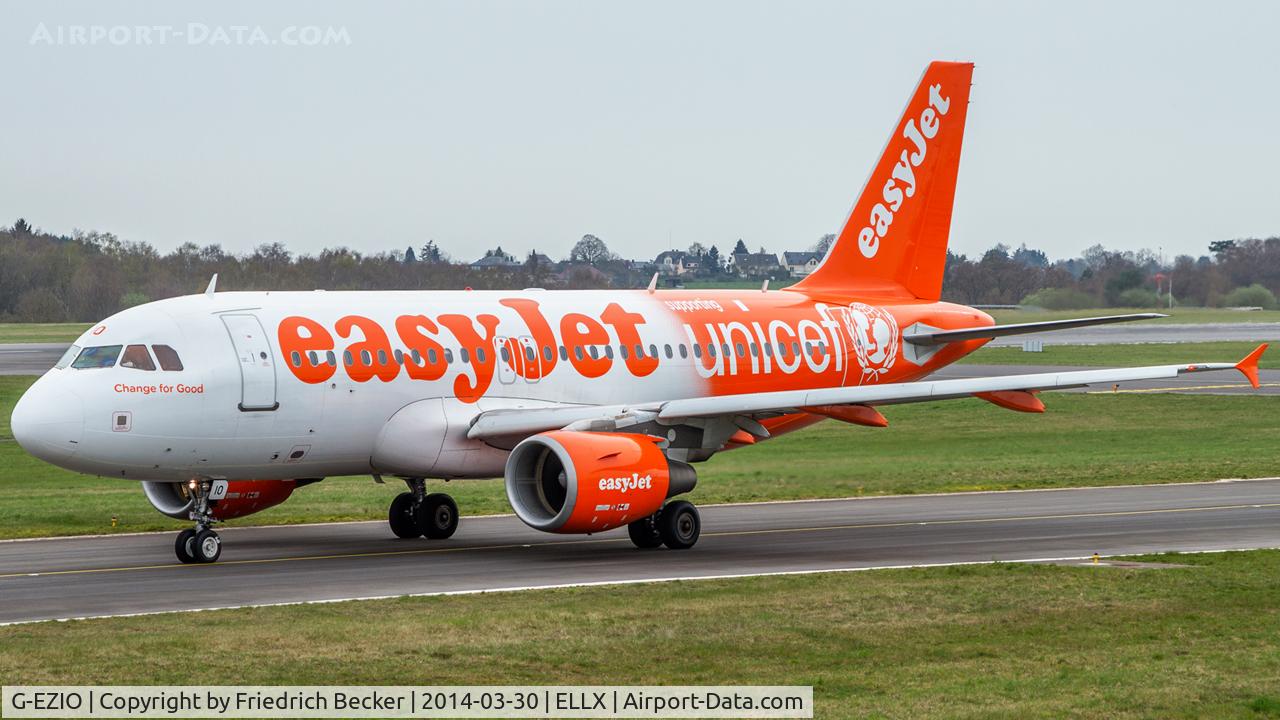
<point x="895" y="240"/>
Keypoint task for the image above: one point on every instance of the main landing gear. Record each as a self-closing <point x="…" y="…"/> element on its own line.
<point x="677" y="525"/>
<point x="418" y="514"/>
<point x="200" y="544"/>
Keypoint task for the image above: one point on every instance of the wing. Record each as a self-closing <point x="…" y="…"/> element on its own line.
<point x="505" y="424"/>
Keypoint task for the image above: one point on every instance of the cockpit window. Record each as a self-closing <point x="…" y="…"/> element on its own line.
<point x="67" y="357"/>
<point x="137" y="357"/>
<point x="102" y="356"/>
<point x="168" y="357"/>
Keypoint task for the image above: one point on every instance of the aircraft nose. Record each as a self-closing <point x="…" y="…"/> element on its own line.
<point x="48" y="422"/>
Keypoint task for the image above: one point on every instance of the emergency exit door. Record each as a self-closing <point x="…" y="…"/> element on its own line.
<point x="257" y="366"/>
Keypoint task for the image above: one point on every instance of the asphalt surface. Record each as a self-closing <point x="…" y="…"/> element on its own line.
<point x="29" y="358"/>
<point x="1132" y="333"/>
<point x="1225" y="382"/>
<point x="85" y="577"/>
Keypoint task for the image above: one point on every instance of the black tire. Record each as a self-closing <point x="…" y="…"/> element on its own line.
<point x="437" y="516"/>
<point x="400" y="517"/>
<point x="644" y="532"/>
<point x="679" y="525"/>
<point x="208" y="546"/>
<point x="184" y="547"/>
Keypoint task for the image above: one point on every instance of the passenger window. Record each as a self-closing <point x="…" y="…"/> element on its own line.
<point x="431" y="356"/>
<point x="295" y="358"/>
<point x="564" y="353"/>
<point x="448" y="356"/>
<point x="137" y="358"/>
<point x="366" y="358"/>
<point x="684" y="351"/>
<point x="312" y="357"/>
<point x="67" y="357"/>
<point x="506" y="355"/>
<point x="103" y="356"/>
<point x="480" y="355"/>
<point x="529" y="354"/>
<point x="331" y="358"/>
<point x="639" y="351"/>
<point x="739" y="348"/>
<point x="464" y="355"/>
<point x="168" y="357"/>
<point x="623" y="352"/>
<point x="608" y="351"/>
<point x="667" y="348"/>
<point x="577" y="352"/>
<point x="382" y="357"/>
<point x="711" y="350"/>
<point x="547" y="353"/>
<point x="347" y="358"/>
<point x="697" y="351"/>
<point x="595" y="352"/>
<point x="653" y="350"/>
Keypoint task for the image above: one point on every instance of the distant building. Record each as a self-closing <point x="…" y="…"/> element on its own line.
<point x="676" y="262"/>
<point x="496" y="259"/>
<point x="800" y="264"/>
<point x="756" y="265"/>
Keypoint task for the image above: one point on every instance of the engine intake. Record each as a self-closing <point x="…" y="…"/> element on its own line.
<point x="580" y="482"/>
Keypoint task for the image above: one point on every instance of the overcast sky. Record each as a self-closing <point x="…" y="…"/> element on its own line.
<point x="650" y="124"/>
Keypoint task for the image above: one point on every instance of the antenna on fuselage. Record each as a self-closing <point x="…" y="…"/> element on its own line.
<point x="765" y="286"/>
<point x="213" y="285"/>
<point x="653" y="283"/>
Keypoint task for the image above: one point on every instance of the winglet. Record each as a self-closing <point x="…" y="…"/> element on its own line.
<point x="1249" y="365"/>
<point x="653" y="283"/>
<point x="213" y="285"/>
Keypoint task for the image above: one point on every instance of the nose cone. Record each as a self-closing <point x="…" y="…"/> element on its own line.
<point x="48" y="421"/>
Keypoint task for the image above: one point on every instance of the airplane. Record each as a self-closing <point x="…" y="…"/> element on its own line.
<point x="593" y="405"/>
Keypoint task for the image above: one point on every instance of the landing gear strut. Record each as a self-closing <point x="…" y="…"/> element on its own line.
<point x="200" y="544"/>
<point x="417" y="514"/>
<point x="677" y="525"/>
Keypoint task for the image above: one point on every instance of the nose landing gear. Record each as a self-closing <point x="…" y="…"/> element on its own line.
<point x="418" y="514"/>
<point x="200" y="544"/>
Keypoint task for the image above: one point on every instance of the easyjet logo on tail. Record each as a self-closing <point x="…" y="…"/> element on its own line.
<point x="902" y="182"/>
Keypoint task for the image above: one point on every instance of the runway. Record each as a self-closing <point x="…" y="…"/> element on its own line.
<point x="29" y="358"/>
<point x="1135" y="333"/>
<point x="86" y="577"/>
<point x="36" y="358"/>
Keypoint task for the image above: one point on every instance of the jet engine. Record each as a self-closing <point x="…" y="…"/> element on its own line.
<point x="569" y="481"/>
<point x="243" y="497"/>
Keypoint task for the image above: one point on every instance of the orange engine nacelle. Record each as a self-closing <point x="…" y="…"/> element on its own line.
<point x="581" y="482"/>
<point x="243" y="497"/>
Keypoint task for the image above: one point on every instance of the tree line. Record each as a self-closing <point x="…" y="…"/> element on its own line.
<point x="85" y="276"/>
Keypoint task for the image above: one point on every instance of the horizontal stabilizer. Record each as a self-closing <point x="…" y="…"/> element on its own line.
<point x="941" y="337"/>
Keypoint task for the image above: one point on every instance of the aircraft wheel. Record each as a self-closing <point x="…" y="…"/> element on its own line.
<point x="185" y="546"/>
<point x="679" y="525"/>
<point x="437" y="516"/>
<point x="208" y="546"/>
<point x="401" y="519"/>
<point x="644" y="532"/>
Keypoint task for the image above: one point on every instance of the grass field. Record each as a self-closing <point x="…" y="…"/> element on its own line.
<point x="1004" y="640"/>
<point x="955" y="445"/>
<point x="1176" y="315"/>
<point x="1123" y="355"/>
<point x="40" y="332"/>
